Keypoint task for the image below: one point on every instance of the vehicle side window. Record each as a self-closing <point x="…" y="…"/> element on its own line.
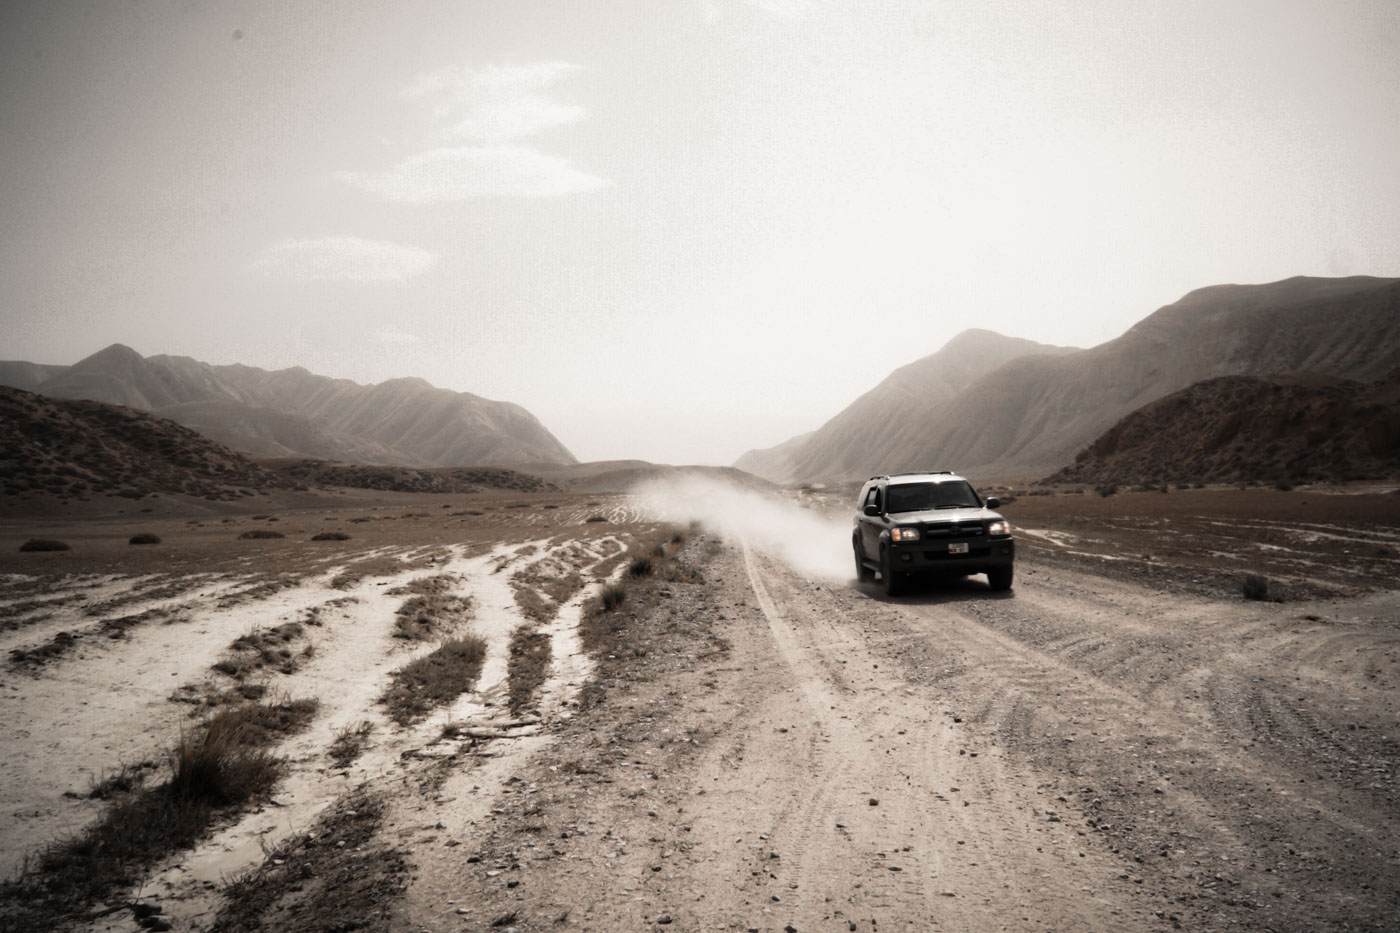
<point x="874" y="497"/>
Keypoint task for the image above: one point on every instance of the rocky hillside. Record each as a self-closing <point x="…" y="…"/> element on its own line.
<point x="1030" y="414"/>
<point x="76" y="448"/>
<point x="293" y="412"/>
<point x="1242" y="428"/>
<point x="405" y="479"/>
<point x="861" y="439"/>
<point x="775" y="464"/>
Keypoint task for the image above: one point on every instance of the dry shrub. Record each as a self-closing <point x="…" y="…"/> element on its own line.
<point x="331" y="536"/>
<point x="144" y="538"/>
<point x="612" y="597"/>
<point x="259" y="533"/>
<point x="1255" y="586"/>
<point x="43" y="544"/>
<point x="641" y="566"/>
<point x="595" y="518"/>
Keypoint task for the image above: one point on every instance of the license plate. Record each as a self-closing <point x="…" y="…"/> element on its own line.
<point x="957" y="548"/>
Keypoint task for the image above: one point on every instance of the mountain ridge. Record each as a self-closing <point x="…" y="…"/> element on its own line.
<point x="293" y="412"/>
<point x="1029" y="415"/>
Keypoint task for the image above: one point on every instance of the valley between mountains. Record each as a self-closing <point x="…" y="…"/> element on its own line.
<point x="745" y="739"/>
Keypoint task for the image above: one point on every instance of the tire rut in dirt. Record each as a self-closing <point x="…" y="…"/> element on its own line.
<point x="1204" y="778"/>
<point x="914" y="819"/>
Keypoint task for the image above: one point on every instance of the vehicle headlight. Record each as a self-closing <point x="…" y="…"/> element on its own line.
<point x="999" y="527"/>
<point x="905" y="534"/>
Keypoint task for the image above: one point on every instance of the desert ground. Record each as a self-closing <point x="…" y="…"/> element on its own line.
<point x="684" y="714"/>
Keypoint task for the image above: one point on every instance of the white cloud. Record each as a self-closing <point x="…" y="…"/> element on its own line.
<point x="497" y="121"/>
<point x="495" y="103"/>
<point x="463" y="173"/>
<point x="342" y="258"/>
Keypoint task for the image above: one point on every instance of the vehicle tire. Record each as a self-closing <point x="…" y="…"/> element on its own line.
<point x="1000" y="577"/>
<point x="894" y="584"/>
<point x="863" y="573"/>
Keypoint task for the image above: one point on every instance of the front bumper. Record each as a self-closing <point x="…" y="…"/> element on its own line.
<point x="934" y="557"/>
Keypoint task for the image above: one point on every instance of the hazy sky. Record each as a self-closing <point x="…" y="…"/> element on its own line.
<point x="672" y="229"/>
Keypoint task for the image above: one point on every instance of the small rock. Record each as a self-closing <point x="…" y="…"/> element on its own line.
<point x="789" y="929"/>
<point x="144" y="909"/>
<point x="664" y="919"/>
<point x="874" y="802"/>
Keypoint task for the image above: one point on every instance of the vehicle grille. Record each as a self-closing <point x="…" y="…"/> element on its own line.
<point x="953" y="529"/>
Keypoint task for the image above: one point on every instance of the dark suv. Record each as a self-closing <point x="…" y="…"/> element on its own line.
<point x="929" y="523"/>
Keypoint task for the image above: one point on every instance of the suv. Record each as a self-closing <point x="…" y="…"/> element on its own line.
<point x="929" y="523"/>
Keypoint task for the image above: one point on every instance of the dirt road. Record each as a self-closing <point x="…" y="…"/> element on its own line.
<point x="750" y="741"/>
<point x="1082" y="754"/>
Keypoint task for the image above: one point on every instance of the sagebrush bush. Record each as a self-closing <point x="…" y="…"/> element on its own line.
<point x="257" y="533"/>
<point x="331" y="536"/>
<point x="144" y="538"/>
<point x="1256" y="586"/>
<point x="641" y="567"/>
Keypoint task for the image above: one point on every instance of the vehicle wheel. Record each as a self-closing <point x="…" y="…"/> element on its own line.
<point x="1000" y="578"/>
<point x="863" y="573"/>
<point x="894" y="585"/>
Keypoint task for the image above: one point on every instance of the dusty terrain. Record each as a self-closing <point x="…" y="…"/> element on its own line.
<point x="749" y="741"/>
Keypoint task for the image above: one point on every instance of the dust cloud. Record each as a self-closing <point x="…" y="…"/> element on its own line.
<point x="816" y="545"/>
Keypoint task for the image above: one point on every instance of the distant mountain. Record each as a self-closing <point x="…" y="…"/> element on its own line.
<point x="292" y="412"/>
<point x="1243" y="428"/>
<point x="1029" y="413"/>
<point x="864" y="437"/>
<point x="775" y="464"/>
<point x="66" y="447"/>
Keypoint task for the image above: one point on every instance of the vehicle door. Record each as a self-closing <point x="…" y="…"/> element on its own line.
<point x="871" y="526"/>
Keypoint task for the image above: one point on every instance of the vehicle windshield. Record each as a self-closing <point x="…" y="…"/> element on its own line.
<point x="922" y="497"/>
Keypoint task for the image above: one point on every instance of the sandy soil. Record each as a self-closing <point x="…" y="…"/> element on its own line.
<point x="1122" y="742"/>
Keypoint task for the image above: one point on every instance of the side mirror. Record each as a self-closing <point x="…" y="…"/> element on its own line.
<point x="872" y="510"/>
<point x="993" y="502"/>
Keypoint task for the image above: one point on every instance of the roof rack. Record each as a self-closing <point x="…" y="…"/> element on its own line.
<point x="913" y="473"/>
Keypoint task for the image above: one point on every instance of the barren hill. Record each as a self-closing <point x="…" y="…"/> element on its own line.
<point x="1242" y="428"/>
<point x="71" y="447"/>
<point x="1031" y="415"/>
<point x="293" y="412"/>
<point x="861" y="439"/>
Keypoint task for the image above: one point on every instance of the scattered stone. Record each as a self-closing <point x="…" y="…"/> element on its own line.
<point x="874" y="802"/>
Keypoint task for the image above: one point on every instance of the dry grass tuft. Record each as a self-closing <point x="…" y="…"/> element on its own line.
<point x="261" y="533"/>
<point x="349" y="742"/>
<point x="434" y="679"/>
<point x="215" y="770"/>
<point x="528" y="666"/>
<point x="330" y="536"/>
<point x="612" y="596"/>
